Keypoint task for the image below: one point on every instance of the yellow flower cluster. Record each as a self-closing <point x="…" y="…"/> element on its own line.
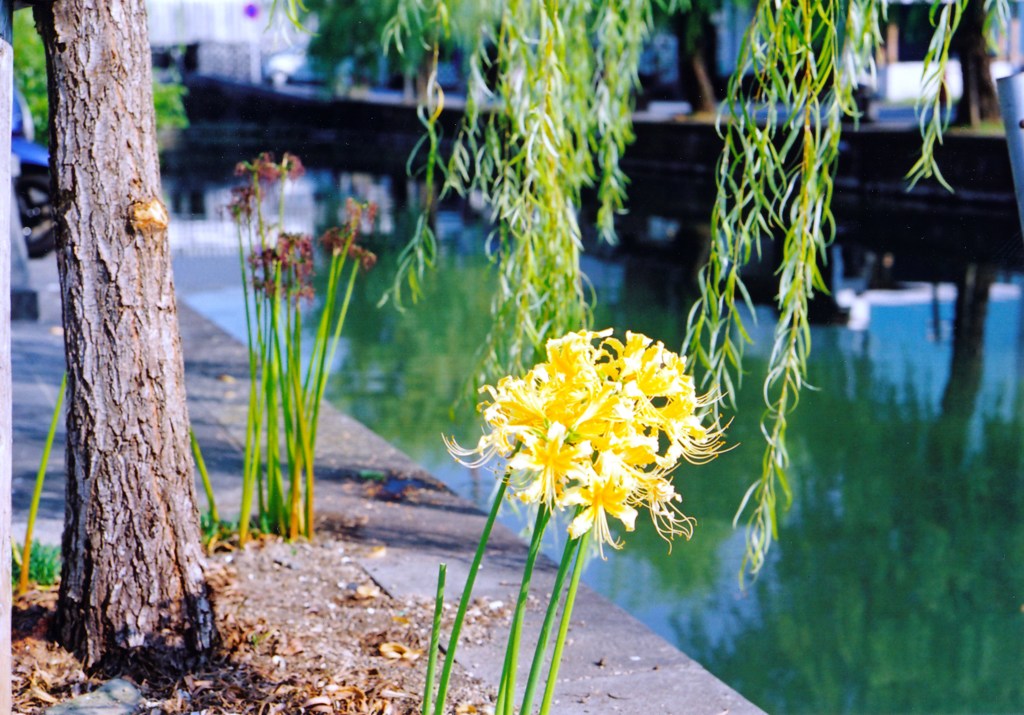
<point x="599" y="426"/>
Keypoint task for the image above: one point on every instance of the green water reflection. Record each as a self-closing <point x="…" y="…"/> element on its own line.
<point x="897" y="583"/>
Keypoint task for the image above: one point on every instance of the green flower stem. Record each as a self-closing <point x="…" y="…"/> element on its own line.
<point x="335" y="338"/>
<point x="563" y="627"/>
<point x="275" y="487"/>
<point x="287" y="385"/>
<point x="316" y="375"/>
<point x="300" y="456"/>
<point x="37" y="493"/>
<point x="250" y="463"/>
<point x="545" y="632"/>
<point x="205" y="476"/>
<point x="467" y="593"/>
<point x="284" y="386"/>
<point x="507" y="689"/>
<point x="326" y="346"/>
<point x="435" y="632"/>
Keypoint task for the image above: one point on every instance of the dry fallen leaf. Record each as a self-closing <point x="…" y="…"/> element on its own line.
<point x="397" y="651"/>
<point x="367" y="591"/>
<point x="319" y="704"/>
<point x="42" y="675"/>
<point x="350" y="692"/>
<point x="466" y="709"/>
<point x="41" y="694"/>
<point x="393" y="693"/>
<point x="292" y="647"/>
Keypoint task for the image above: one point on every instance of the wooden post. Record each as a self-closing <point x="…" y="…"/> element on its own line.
<point x="6" y="428"/>
<point x="1013" y="38"/>
<point x="892" y="43"/>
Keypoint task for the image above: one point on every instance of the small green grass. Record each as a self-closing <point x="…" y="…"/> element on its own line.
<point x="44" y="566"/>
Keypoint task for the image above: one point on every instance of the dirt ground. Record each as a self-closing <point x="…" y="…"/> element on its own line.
<point x="303" y="629"/>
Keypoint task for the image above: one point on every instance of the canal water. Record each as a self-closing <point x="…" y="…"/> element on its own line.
<point x="897" y="581"/>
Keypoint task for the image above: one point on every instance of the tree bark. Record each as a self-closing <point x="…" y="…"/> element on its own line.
<point x="132" y="582"/>
<point x="979" y="103"/>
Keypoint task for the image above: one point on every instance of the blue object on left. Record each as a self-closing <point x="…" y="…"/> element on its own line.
<point x="32" y="184"/>
<point x="6" y="20"/>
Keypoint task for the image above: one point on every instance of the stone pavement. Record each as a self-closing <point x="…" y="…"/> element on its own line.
<point x="613" y="663"/>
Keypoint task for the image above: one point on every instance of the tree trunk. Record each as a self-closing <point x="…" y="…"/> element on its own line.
<point x="696" y="36"/>
<point x="979" y="103"/>
<point x="132" y="582"/>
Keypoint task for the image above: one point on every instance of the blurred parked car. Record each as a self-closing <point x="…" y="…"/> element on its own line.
<point x="32" y="185"/>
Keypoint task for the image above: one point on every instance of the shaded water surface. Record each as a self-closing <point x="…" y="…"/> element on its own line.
<point x="897" y="582"/>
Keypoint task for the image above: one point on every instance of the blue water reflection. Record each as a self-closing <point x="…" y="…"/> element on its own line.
<point x="897" y="583"/>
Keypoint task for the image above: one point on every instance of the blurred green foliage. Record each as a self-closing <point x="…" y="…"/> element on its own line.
<point x="168" y="102"/>
<point x="351" y="31"/>
<point x="44" y="568"/>
<point x="30" y="71"/>
<point x="30" y="78"/>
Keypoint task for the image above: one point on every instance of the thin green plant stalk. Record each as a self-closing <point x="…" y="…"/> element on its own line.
<point x="563" y="627"/>
<point x="435" y="633"/>
<point x="277" y="511"/>
<point x="252" y="477"/>
<point x="252" y="236"/>
<point x="285" y="389"/>
<point x="250" y="462"/>
<point x="467" y="593"/>
<point x="287" y="521"/>
<point x="205" y="476"/>
<point x="303" y="434"/>
<point x="545" y="632"/>
<point x="275" y="486"/>
<point x="250" y="467"/>
<point x="507" y="689"/>
<point x="318" y="360"/>
<point x="323" y="356"/>
<point x="328" y="358"/>
<point x="308" y="391"/>
<point x="37" y="493"/>
<point x="305" y="429"/>
<point x="279" y="374"/>
<point x="260" y="364"/>
<point x="291" y="420"/>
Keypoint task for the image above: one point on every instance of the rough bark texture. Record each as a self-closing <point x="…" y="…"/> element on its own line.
<point x="979" y="103"/>
<point x="132" y="582"/>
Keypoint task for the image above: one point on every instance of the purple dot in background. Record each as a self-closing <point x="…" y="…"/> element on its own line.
<point x="252" y="10"/>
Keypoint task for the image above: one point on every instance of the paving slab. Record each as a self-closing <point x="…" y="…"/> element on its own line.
<point x="115" y="697"/>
